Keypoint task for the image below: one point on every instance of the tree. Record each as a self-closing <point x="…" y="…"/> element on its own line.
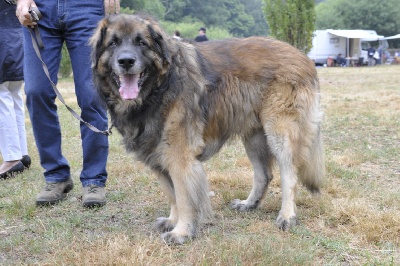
<point x="255" y="9"/>
<point x="154" y="8"/>
<point x="174" y="10"/>
<point x="381" y="16"/>
<point x="238" y="22"/>
<point x="240" y="17"/>
<point x="330" y="14"/>
<point x="291" y="21"/>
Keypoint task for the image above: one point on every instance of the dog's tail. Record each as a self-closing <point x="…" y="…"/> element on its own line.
<point x="312" y="170"/>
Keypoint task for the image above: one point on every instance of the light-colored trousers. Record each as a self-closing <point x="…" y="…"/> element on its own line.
<point x="12" y="121"/>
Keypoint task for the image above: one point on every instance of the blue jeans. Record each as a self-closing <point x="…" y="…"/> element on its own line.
<point x="72" y="22"/>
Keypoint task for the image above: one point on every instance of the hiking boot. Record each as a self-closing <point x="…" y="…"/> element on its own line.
<point x="93" y="196"/>
<point x="54" y="192"/>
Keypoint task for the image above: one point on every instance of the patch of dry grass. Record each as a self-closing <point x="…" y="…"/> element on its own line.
<point x="355" y="221"/>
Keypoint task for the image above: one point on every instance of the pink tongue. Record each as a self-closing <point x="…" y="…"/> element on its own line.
<point x="129" y="89"/>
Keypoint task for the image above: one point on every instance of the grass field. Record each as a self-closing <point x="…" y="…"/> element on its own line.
<point x="355" y="220"/>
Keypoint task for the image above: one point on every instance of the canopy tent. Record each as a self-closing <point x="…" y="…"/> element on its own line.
<point x="366" y="35"/>
<point x="392" y="37"/>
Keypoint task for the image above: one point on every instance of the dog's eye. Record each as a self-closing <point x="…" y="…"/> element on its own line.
<point x="139" y="41"/>
<point x="114" y="41"/>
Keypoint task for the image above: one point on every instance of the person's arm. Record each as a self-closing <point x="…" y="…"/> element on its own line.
<point x="112" y="6"/>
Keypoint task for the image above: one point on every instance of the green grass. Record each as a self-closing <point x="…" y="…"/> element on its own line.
<point x="355" y="221"/>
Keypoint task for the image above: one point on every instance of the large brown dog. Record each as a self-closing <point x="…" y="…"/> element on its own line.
<point x="176" y="104"/>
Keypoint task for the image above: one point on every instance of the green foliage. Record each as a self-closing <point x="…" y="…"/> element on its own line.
<point x="154" y="8"/>
<point x="239" y="21"/>
<point x="260" y="26"/>
<point x="381" y="16"/>
<point x="127" y="10"/>
<point x="190" y="30"/>
<point x="174" y="10"/>
<point x="291" y="21"/>
<point x="240" y="17"/>
<point x="211" y="12"/>
<point x="329" y="15"/>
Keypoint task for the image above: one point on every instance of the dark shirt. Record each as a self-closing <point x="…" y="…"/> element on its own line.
<point x="201" y="38"/>
<point x="8" y="19"/>
<point x="371" y="52"/>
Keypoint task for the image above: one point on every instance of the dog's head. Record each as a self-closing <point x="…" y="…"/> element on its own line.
<point x="129" y="54"/>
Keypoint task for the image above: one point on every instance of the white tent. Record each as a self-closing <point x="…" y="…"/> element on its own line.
<point x="392" y="37"/>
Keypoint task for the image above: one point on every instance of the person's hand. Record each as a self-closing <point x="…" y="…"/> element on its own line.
<point x="22" y="12"/>
<point x="112" y="7"/>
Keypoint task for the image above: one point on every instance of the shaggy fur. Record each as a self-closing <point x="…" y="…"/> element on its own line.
<point x="176" y="104"/>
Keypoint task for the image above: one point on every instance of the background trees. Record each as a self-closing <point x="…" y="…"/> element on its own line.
<point x="381" y="16"/>
<point x="244" y="18"/>
<point x="240" y="18"/>
<point x="291" y="21"/>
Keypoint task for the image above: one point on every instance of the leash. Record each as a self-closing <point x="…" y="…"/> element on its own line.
<point x="37" y="43"/>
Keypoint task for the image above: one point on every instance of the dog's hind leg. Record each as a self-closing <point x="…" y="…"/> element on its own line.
<point x="282" y="148"/>
<point x="290" y="127"/>
<point x="166" y="224"/>
<point x="258" y="152"/>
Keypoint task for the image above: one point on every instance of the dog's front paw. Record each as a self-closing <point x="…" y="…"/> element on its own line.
<point x="242" y="205"/>
<point x="164" y="224"/>
<point x="172" y="238"/>
<point x="286" y="223"/>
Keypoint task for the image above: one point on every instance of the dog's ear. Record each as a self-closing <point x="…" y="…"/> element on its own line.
<point x="160" y="45"/>
<point x="96" y="41"/>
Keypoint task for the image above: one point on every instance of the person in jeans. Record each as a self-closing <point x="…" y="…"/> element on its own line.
<point x="72" y="22"/>
<point x="13" y="145"/>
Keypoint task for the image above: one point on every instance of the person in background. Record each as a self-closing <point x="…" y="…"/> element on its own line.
<point x="177" y="35"/>
<point x="202" y="35"/>
<point x="72" y="22"/>
<point x="371" y="52"/>
<point x="330" y="61"/>
<point x="396" y="57"/>
<point x="13" y="145"/>
<point x="386" y="56"/>
<point x="380" y="53"/>
<point x="340" y="60"/>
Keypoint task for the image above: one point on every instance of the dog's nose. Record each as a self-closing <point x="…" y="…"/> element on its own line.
<point x="126" y="62"/>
